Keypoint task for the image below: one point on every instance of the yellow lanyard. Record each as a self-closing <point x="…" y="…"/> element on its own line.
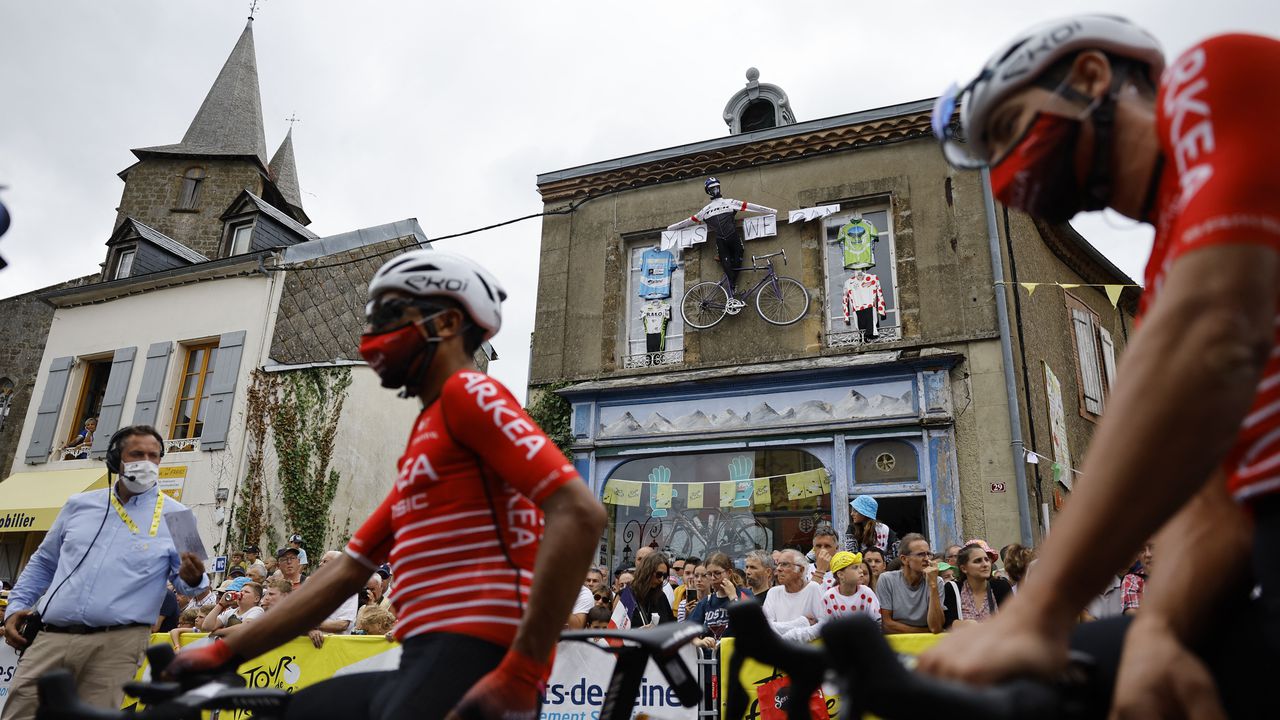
<point x="133" y="528"/>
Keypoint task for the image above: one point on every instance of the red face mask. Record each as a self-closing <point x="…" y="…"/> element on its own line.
<point x="399" y="356"/>
<point x="1038" y="176"/>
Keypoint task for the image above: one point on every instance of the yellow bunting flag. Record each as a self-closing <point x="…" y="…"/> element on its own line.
<point x="629" y="493"/>
<point x="611" y="493"/>
<point x="826" y="482"/>
<point x="693" y="497"/>
<point x="1113" y="293"/>
<point x="1030" y="288"/>
<point x="663" y="494"/>
<point x="728" y="489"/>
<point x="761" y="497"/>
<point x="796" y="487"/>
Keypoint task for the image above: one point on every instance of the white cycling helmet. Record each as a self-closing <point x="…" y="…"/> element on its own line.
<point x="1020" y="63"/>
<point x="435" y="273"/>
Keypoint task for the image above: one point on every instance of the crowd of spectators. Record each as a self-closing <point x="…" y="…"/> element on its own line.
<point x="253" y="586"/>
<point x="905" y="587"/>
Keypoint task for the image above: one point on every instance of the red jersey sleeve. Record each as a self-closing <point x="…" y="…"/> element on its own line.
<point x="484" y="417"/>
<point x="372" y="543"/>
<point x="1217" y="111"/>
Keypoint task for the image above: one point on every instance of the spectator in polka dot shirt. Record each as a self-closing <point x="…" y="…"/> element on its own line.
<point x="847" y="596"/>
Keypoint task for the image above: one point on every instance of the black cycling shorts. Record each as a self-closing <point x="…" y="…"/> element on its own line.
<point x="436" y="670"/>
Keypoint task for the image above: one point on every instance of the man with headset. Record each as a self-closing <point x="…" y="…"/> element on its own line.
<point x="101" y="571"/>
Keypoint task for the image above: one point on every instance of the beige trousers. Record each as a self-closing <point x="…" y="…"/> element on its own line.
<point x="101" y="663"/>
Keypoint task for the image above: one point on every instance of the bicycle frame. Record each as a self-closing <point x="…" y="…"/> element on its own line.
<point x="770" y="277"/>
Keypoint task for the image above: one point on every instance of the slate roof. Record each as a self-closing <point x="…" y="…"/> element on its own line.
<point x="284" y="172"/>
<point x="229" y="121"/>
<point x="274" y="213"/>
<point x="166" y="243"/>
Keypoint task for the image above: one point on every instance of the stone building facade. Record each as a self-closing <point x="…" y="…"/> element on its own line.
<point x="211" y="243"/>
<point x="748" y="433"/>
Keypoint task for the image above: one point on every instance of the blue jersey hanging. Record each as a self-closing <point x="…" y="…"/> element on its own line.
<point x="656" y="267"/>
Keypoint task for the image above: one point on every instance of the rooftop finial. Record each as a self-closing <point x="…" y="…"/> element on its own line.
<point x="253" y="9"/>
<point x="753" y="75"/>
<point x="293" y="118"/>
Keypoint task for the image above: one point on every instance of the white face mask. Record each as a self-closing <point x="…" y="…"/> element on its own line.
<point x="139" y="477"/>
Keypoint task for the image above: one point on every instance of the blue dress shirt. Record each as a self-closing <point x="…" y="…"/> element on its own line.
<point x="120" y="582"/>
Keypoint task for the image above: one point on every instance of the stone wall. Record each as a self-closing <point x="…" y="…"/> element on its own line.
<point x="151" y="196"/>
<point x="24" y="327"/>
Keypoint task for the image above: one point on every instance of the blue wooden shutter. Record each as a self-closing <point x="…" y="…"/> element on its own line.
<point x="55" y="388"/>
<point x="220" y="391"/>
<point x="113" y="400"/>
<point x="153" y="375"/>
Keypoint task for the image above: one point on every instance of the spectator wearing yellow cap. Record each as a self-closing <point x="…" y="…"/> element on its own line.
<point x="847" y="596"/>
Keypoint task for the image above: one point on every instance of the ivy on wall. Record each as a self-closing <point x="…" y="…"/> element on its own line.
<point x="552" y="413"/>
<point x="304" y="422"/>
<point x="249" y="521"/>
<point x="301" y="409"/>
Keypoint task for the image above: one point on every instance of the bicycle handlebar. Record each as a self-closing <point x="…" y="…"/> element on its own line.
<point x="874" y="680"/>
<point x="164" y="700"/>
<point x="783" y="253"/>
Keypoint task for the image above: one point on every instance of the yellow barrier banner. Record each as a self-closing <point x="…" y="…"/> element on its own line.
<point x="755" y="674"/>
<point x="298" y="663"/>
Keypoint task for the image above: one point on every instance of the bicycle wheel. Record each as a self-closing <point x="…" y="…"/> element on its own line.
<point x="704" y="305"/>
<point x="782" y="301"/>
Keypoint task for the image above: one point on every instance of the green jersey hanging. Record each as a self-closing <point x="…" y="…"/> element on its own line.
<point x="856" y="239"/>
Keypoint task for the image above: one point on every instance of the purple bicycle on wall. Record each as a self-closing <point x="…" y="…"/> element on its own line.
<point x="780" y="300"/>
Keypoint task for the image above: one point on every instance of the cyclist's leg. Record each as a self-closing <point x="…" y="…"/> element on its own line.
<point x="351" y="697"/>
<point x="730" y="259"/>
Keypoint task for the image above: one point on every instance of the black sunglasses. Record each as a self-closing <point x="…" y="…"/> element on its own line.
<point x="379" y="312"/>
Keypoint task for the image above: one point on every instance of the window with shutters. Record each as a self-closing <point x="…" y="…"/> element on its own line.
<point x="189" y="189"/>
<point x="93" y="388"/>
<point x="188" y="411"/>
<point x="1095" y="358"/>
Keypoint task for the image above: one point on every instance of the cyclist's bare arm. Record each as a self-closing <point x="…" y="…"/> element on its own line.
<point x="1179" y="594"/>
<point x="575" y="521"/>
<point x="303" y="609"/>
<point x="1186" y="382"/>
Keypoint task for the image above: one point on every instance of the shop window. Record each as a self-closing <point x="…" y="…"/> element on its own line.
<point x="886" y="461"/>
<point x="654" y="326"/>
<point x="861" y="293"/>
<point x="1095" y="357"/>
<point x="732" y="502"/>
<point x="93" y="388"/>
<point x="189" y="191"/>
<point x="189" y="410"/>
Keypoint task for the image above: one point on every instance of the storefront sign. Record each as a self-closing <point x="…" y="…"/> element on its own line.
<point x="172" y="480"/>
<point x="17" y="520"/>
<point x="1058" y="428"/>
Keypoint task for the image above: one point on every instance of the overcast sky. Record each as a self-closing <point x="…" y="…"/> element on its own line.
<point x="447" y="111"/>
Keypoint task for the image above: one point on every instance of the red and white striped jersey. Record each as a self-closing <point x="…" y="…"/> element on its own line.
<point x="1220" y="184"/>
<point x="461" y="526"/>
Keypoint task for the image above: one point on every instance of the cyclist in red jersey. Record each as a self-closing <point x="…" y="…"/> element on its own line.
<point x="1081" y="114"/>
<point x="481" y="498"/>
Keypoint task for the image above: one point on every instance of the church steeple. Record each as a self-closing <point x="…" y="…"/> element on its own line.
<point x="229" y="122"/>
<point x="284" y="172"/>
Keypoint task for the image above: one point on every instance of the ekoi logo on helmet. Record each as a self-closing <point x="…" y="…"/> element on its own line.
<point x="424" y="283"/>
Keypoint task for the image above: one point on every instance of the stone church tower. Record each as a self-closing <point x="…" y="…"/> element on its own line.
<point x="183" y="190"/>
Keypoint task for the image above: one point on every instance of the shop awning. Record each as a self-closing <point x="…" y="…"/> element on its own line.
<point x="29" y="501"/>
